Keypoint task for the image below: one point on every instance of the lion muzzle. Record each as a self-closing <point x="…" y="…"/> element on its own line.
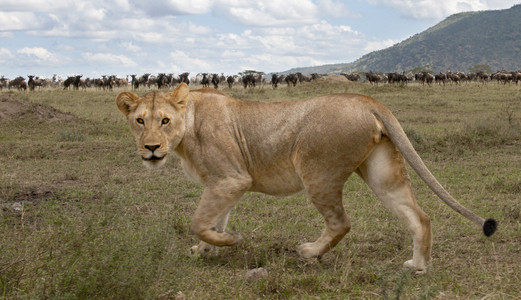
<point x="153" y="157"/>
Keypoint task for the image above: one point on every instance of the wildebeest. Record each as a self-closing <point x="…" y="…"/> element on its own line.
<point x="291" y="79"/>
<point x="453" y="77"/>
<point x="482" y="76"/>
<point x="503" y="76"/>
<point x="34" y="82"/>
<point x="373" y="78"/>
<point x="215" y="81"/>
<point x="230" y="80"/>
<point x="351" y="77"/>
<point x="161" y="80"/>
<point x="184" y="78"/>
<point x="440" y="78"/>
<point x="134" y="82"/>
<point x="396" y="78"/>
<point x="516" y="76"/>
<point x="424" y="77"/>
<point x="77" y="82"/>
<point x="274" y="80"/>
<point x="3" y="82"/>
<point x="248" y="80"/>
<point x="19" y="83"/>
<point x="205" y="81"/>
<point x="143" y="79"/>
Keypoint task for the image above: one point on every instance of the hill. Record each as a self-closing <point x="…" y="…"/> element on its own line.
<point x="462" y="42"/>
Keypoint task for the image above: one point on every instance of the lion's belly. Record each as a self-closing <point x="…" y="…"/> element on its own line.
<point x="277" y="181"/>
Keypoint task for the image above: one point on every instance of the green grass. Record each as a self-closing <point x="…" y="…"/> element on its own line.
<point x="95" y="224"/>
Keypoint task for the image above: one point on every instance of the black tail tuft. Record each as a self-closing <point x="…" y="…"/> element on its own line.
<point x="489" y="227"/>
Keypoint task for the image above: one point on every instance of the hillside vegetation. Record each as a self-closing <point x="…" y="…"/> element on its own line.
<point x="460" y="42"/>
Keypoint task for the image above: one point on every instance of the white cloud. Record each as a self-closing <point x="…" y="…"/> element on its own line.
<point x="197" y="29"/>
<point x="39" y="55"/>
<point x="67" y="48"/>
<point x="335" y="9"/>
<point x="122" y="5"/>
<point x="323" y="30"/>
<point x="90" y="12"/>
<point x="272" y="13"/>
<point x="5" y="55"/>
<point x="18" y="21"/>
<point x="277" y="43"/>
<point x="378" y="45"/>
<point x="149" y="37"/>
<point x="130" y="46"/>
<point x="34" y="5"/>
<point x="426" y="9"/>
<point x="173" y="7"/>
<point x="182" y="62"/>
<point x="192" y="6"/>
<point x="109" y="59"/>
<point x="232" y="40"/>
<point x="232" y="54"/>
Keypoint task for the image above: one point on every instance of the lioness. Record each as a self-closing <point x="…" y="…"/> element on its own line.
<point x="232" y="146"/>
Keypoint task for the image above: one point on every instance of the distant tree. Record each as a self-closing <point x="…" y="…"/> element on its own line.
<point x="253" y="72"/>
<point x="482" y="68"/>
<point x="426" y="68"/>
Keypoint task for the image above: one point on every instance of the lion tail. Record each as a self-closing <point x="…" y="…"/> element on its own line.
<point x="395" y="132"/>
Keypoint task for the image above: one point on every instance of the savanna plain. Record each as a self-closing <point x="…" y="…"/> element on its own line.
<point x="81" y="218"/>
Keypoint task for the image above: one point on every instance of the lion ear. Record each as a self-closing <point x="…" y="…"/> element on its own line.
<point x="179" y="96"/>
<point x="127" y="102"/>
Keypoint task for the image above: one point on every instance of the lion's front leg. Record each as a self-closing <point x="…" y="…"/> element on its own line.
<point x="205" y="249"/>
<point x="211" y="216"/>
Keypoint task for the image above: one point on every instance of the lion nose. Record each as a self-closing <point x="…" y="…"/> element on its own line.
<point x="152" y="148"/>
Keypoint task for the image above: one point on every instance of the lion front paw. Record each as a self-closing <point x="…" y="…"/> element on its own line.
<point x="204" y="249"/>
<point x="419" y="269"/>
<point x="308" y="250"/>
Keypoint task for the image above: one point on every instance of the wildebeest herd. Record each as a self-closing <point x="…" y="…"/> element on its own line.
<point x="440" y="78"/>
<point x="248" y="80"/>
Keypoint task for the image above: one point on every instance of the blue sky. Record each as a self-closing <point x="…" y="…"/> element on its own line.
<point x="122" y="37"/>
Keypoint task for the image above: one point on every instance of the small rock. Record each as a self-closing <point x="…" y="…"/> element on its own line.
<point x="17" y="206"/>
<point x="256" y="274"/>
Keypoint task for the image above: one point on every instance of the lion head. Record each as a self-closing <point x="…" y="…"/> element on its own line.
<point x="156" y="120"/>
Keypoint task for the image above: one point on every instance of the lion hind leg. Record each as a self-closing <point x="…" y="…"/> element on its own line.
<point x="329" y="204"/>
<point x="385" y="173"/>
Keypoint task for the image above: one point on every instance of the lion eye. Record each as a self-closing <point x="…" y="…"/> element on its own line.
<point x="165" y="121"/>
<point x="140" y="121"/>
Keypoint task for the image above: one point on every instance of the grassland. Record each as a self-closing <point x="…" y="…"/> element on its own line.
<point x="80" y="218"/>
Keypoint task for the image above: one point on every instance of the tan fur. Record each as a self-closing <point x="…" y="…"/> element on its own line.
<point x="232" y="146"/>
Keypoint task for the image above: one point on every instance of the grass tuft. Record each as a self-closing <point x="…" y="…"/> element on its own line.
<point x="70" y="136"/>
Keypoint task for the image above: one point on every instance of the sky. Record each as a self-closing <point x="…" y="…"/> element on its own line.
<point x="123" y="37"/>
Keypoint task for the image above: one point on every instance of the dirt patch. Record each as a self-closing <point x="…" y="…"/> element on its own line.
<point x="15" y="203"/>
<point x="12" y="108"/>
